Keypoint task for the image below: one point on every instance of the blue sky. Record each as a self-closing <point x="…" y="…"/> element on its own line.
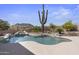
<point x="28" y="13"/>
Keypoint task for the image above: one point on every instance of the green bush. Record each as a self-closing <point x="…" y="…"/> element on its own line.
<point x="69" y="26"/>
<point x="36" y="29"/>
<point x="59" y="30"/>
<point x="4" y="25"/>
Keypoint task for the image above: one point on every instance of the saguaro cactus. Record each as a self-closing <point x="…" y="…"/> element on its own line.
<point x="43" y="18"/>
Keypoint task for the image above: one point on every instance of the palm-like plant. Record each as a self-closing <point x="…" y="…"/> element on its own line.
<point x="43" y="18"/>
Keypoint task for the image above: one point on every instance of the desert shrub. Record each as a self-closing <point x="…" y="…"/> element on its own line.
<point x="59" y="30"/>
<point x="36" y="29"/>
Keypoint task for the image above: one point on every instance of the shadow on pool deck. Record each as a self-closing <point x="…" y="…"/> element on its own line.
<point x="14" y="49"/>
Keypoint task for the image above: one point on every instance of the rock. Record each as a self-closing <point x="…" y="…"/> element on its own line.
<point x="7" y="36"/>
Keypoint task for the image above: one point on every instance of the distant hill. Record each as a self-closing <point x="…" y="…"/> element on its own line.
<point x="22" y="27"/>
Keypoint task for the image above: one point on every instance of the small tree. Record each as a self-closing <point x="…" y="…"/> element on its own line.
<point x="75" y="28"/>
<point x="68" y="25"/>
<point x="4" y="25"/>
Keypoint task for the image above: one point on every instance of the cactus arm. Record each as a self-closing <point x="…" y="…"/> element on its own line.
<point x="46" y="17"/>
<point x="39" y="17"/>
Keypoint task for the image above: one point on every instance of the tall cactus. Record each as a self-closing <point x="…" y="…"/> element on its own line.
<point x="43" y="18"/>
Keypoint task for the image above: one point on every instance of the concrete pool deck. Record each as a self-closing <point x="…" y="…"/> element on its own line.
<point x="64" y="48"/>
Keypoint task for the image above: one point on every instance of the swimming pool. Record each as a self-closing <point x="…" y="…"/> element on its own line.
<point x="47" y="40"/>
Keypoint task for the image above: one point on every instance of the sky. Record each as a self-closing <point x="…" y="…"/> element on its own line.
<point x="28" y="13"/>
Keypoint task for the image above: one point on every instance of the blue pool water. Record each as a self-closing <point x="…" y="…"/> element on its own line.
<point x="48" y="40"/>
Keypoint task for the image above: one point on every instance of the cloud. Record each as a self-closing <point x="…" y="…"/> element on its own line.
<point x="14" y="18"/>
<point x="61" y="13"/>
<point x="17" y="16"/>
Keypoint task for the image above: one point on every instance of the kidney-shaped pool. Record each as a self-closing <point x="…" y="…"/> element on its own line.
<point x="47" y="40"/>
